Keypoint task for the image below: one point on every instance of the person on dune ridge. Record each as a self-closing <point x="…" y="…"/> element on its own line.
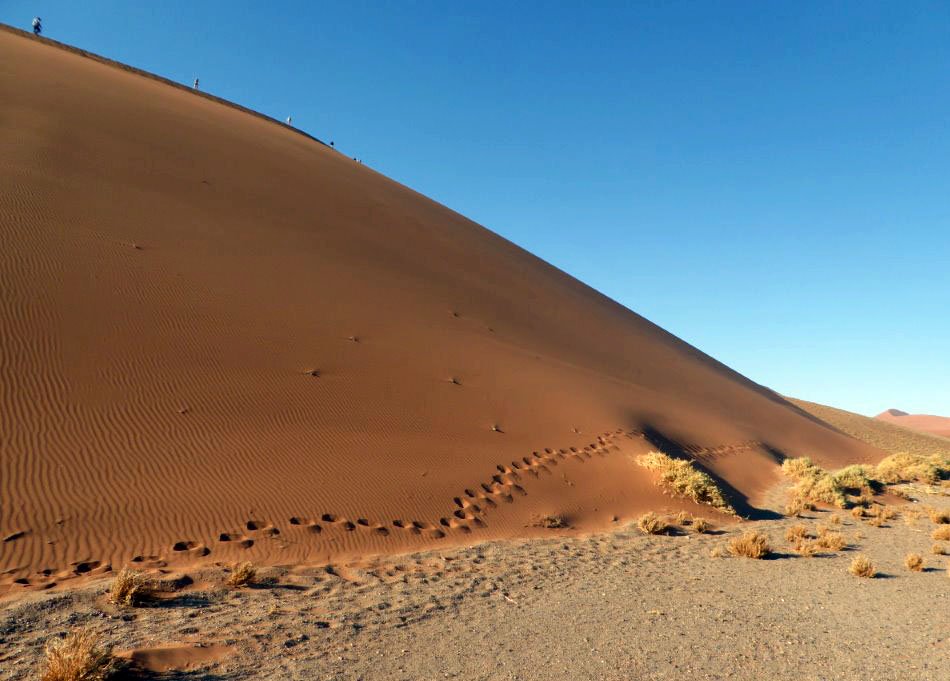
<point x="37" y="25"/>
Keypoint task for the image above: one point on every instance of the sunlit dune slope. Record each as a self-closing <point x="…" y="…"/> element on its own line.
<point x="222" y="338"/>
<point x="925" y="423"/>
<point x="877" y="433"/>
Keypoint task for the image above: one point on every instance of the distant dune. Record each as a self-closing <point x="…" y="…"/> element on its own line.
<point x="221" y="339"/>
<point x="935" y="425"/>
<point x="876" y="431"/>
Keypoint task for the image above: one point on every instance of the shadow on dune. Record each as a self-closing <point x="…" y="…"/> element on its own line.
<point x="738" y="500"/>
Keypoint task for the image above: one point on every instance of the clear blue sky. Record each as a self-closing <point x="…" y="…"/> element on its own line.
<point x="768" y="181"/>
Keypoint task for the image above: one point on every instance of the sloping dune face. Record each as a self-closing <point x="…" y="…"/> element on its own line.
<point x="925" y="423"/>
<point x="222" y="337"/>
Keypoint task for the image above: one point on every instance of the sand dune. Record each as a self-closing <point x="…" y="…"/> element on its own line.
<point x="876" y="432"/>
<point x="221" y="339"/>
<point x="925" y="423"/>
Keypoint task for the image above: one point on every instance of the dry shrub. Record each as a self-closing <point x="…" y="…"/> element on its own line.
<point x="700" y="525"/>
<point x="551" y="522"/>
<point x="796" y="508"/>
<point x="835" y="520"/>
<point x="796" y="533"/>
<point x="862" y="566"/>
<point x="683" y="479"/>
<point x="682" y="518"/>
<point x="816" y="485"/>
<point x="806" y="549"/>
<point x="78" y="657"/>
<point x="750" y="545"/>
<point x="242" y="574"/>
<point x="941" y="533"/>
<point x="903" y="467"/>
<point x="833" y="541"/>
<point x="914" y="562"/>
<point x="939" y="517"/>
<point x="938" y="549"/>
<point x="887" y="513"/>
<point x="857" y="512"/>
<point x="876" y="521"/>
<point x="131" y="588"/>
<point x="651" y="523"/>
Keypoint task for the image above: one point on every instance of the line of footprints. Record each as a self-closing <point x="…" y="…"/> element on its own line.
<point x="470" y="507"/>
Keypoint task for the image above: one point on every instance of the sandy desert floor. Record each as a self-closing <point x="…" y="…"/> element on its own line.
<point x="617" y="605"/>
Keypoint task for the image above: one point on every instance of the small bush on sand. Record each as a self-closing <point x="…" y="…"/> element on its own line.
<point x="938" y="549"/>
<point x="682" y="518"/>
<point x="903" y="467"/>
<point x="939" y="517"/>
<point x="651" y="523"/>
<point x="131" y="588"/>
<point x="806" y="549"/>
<point x="796" y="533"/>
<point x="78" y="657"/>
<point x="750" y="545"/>
<point x="914" y="562"/>
<point x="700" y="525"/>
<point x="858" y="512"/>
<point x="833" y="541"/>
<point x="941" y="533"/>
<point x="683" y="479"/>
<point x="862" y="566"/>
<point x="876" y="521"/>
<point x="551" y="522"/>
<point x="887" y="513"/>
<point x="835" y="520"/>
<point x="242" y="575"/>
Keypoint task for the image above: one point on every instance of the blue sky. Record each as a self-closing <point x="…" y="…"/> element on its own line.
<point x="768" y="181"/>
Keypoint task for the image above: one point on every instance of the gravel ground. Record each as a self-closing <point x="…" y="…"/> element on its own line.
<point x="613" y="606"/>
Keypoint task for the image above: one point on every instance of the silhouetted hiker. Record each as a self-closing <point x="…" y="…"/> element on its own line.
<point x="37" y="25"/>
<point x="289" y="119"/>
<point x="196" y="84"/>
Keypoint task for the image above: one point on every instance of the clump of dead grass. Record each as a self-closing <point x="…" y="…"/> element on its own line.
<point x="806" y="549"/>
<point x="79" y="657"/>
<point x="651" y="523"/>
<point x="700" y="525"/>
<point x="685" y="480"/>
<point x="914" y="562"/>
<point x="682" y="518"/>
<point x="833" y="541"/>
<point x="904" y="467"/>
<point x="750" y="545"/>
<point x="796" y="533"/>
<point x="939" y="517"/>
<point x="941" y="533"/>
<point x="551" y="522"/>
<point x="242" y="575"/>
<point x="131" y="588"/>
<point x="938" y="549"/>
<point x="862" y="566"/>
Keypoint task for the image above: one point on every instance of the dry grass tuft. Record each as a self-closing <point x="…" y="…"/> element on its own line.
<point x="835" y="520"/>
<point x="862" y="566"/>
<point x="857" y="512"/>
<point x="796" y="533"/>
<point x="131" y="588"/>
<point x="833" y="541"/>
<point x="806" y="549"/>
<point x="682" y="518"/>
<point x="914" y="562"/>
<point x="551" y="522"/>
<point x="242" y="574"/>
<point x="938" y="549"/>
<point x="651" y="523"/>
<point x="683" y="479"/>
<point x="941" y="533"/>
<point x="750" y="545"/>
<point x="939" y="517"/>
<point x="78" y="657"/>
<point x="876" y="521"/>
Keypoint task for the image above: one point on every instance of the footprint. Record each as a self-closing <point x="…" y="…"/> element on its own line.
<point x="184" y="546"/>
<point x="14" y="536"/>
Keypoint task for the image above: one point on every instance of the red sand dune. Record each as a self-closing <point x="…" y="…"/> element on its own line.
<point x="221" y="337"/>
<point x="935" y="425"/>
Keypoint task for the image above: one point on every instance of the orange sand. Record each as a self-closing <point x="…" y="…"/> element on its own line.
<point x="926" y="423"/>
<point x="223" y="340"/>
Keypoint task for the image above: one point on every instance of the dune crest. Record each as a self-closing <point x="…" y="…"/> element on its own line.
<point x="924" y="423"/>
<point x="222" y="340"/>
